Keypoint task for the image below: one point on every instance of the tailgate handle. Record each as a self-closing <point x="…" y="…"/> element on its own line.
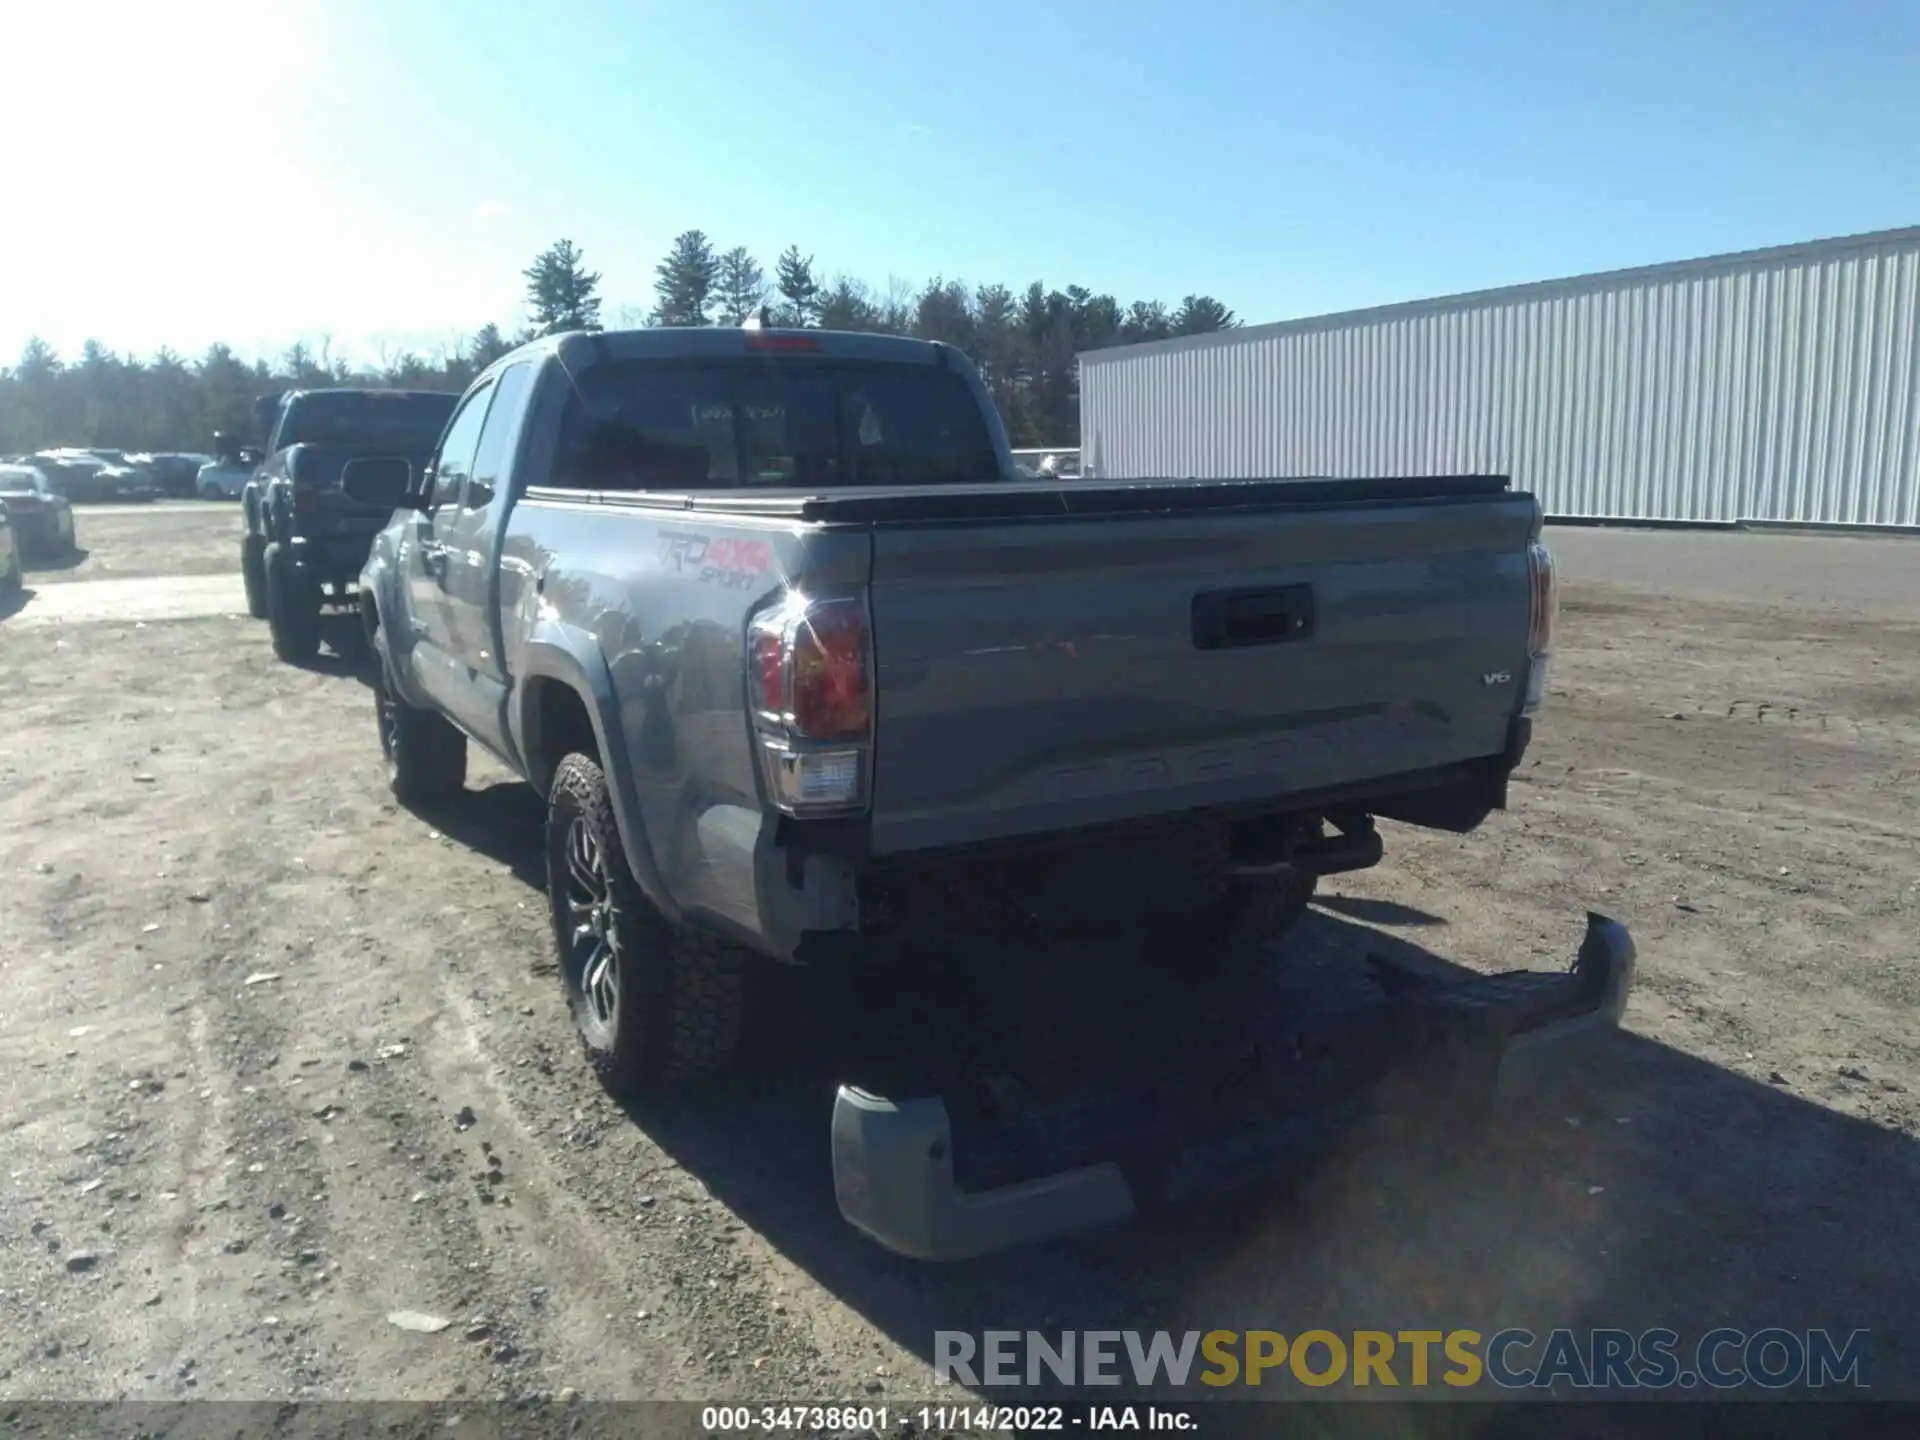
<point x="1228" y="619"/>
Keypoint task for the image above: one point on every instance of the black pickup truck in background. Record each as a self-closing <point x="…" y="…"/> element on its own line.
<point x="306" y="539"/>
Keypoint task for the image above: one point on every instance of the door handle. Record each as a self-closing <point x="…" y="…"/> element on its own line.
<point x="1229" y="619"/>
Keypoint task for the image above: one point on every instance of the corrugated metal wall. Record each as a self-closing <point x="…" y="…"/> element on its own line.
<point x="1776" y="385"/>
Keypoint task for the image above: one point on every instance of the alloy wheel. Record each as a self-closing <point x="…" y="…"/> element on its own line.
<point x="594" y="943"/>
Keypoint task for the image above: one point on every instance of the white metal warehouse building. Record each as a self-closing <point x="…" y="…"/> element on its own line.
<point x="1773" y="385"/>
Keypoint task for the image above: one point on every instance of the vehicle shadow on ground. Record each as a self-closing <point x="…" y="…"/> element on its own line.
<point x="503" y="822"/>
<point x="1377" y="912"/>
<point x="343" y="651"/>
<point x="1639" y="1187"/>
<point x="55" y="564"/>
<point x="11" y="605"/>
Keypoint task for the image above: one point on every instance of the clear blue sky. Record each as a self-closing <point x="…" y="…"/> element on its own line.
<point x="380" y="172"/>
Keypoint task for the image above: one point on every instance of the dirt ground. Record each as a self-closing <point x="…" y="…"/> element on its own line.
<point x="171" y="537"/>
<point x="284" y="1059"/>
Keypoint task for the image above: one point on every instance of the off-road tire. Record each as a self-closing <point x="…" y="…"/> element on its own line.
<point x="681" y="992"/>
<point x="253" y="574"/>
<point x="425" y="753"/>
<point x="293" y="610"/>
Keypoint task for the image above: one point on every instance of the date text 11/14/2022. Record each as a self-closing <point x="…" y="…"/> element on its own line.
<point x="939" y="1419"/>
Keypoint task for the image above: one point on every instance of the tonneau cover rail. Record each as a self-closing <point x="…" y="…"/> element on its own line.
<point x="1022" y="500"/>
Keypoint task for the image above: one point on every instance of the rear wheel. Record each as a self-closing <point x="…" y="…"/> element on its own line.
<point x="253" y="574"/>
<point x="653" y="1003"/>
<point x="425" y="754"/>
<point x="293" y="609"/>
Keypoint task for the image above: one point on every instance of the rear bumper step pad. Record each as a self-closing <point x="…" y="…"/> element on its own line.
<point x="1099" y="1160"/>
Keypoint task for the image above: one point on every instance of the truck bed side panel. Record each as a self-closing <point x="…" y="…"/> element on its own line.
<point x="663" y="599"/>
<point x="1036" y="676"/>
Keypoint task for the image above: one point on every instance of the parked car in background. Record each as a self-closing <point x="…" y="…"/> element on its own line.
<point x="13" y="566"/>
<point x="42" y="518"/>
<point x="225" y="479"/>
<point x="307" y="539"/>
<point x="78" y="478"/>
<point x="131" y="480"/>
<point x="89" y="477"/>
<point x="173" y="473"/>
<point x="1048" y="464"/>
<point x="132" y="485"/>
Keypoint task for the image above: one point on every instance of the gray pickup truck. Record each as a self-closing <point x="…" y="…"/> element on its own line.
<point x="808" y="672"/>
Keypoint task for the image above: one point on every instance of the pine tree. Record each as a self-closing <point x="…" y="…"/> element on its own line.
<point x="685" y="280"/>
<point x="562" y="294"/>
<point x="1202" y="314"/>
<point x="37" y="361"/>
<point x="847" y="304"/>
<point x="799" y="291"/>
<point x="741" y="285"/>
<point x="1146" y="320"/>
<point x="487" y="346"/>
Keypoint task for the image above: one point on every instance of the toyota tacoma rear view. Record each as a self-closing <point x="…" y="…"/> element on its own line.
<point x="810" y="673"/>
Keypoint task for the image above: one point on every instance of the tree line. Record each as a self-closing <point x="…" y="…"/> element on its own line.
<point x="1023" y="341"/>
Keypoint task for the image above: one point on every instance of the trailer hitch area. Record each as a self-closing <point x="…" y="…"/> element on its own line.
<point x="1356" y="845"/>
<point x="893" y="1159"/>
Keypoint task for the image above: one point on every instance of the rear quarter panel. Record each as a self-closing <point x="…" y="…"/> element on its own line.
<point x="648" y="605"/>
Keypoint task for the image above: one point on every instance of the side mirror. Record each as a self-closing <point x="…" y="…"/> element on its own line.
<point x="385" y="481"/>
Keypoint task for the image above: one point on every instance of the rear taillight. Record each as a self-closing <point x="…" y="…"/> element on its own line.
<point x="812" y="684"/>
<point x="830" y="693"/>
<point x="770" y="671"/>
<point x="1546" y="610"/>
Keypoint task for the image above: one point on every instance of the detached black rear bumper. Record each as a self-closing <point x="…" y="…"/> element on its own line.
<point x="1098" y="1161"/>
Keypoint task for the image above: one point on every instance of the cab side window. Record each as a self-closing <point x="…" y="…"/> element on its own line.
<point x="454" y="463"/>
<point x="498" y="435"/>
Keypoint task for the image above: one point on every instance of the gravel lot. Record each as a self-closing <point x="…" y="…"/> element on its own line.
<point x="285" y="1059"/>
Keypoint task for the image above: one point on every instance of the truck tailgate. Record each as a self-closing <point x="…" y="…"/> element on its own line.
<point x="1041" y="674"/>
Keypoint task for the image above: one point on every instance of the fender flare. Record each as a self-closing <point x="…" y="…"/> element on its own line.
<point x="569" y="656"/>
